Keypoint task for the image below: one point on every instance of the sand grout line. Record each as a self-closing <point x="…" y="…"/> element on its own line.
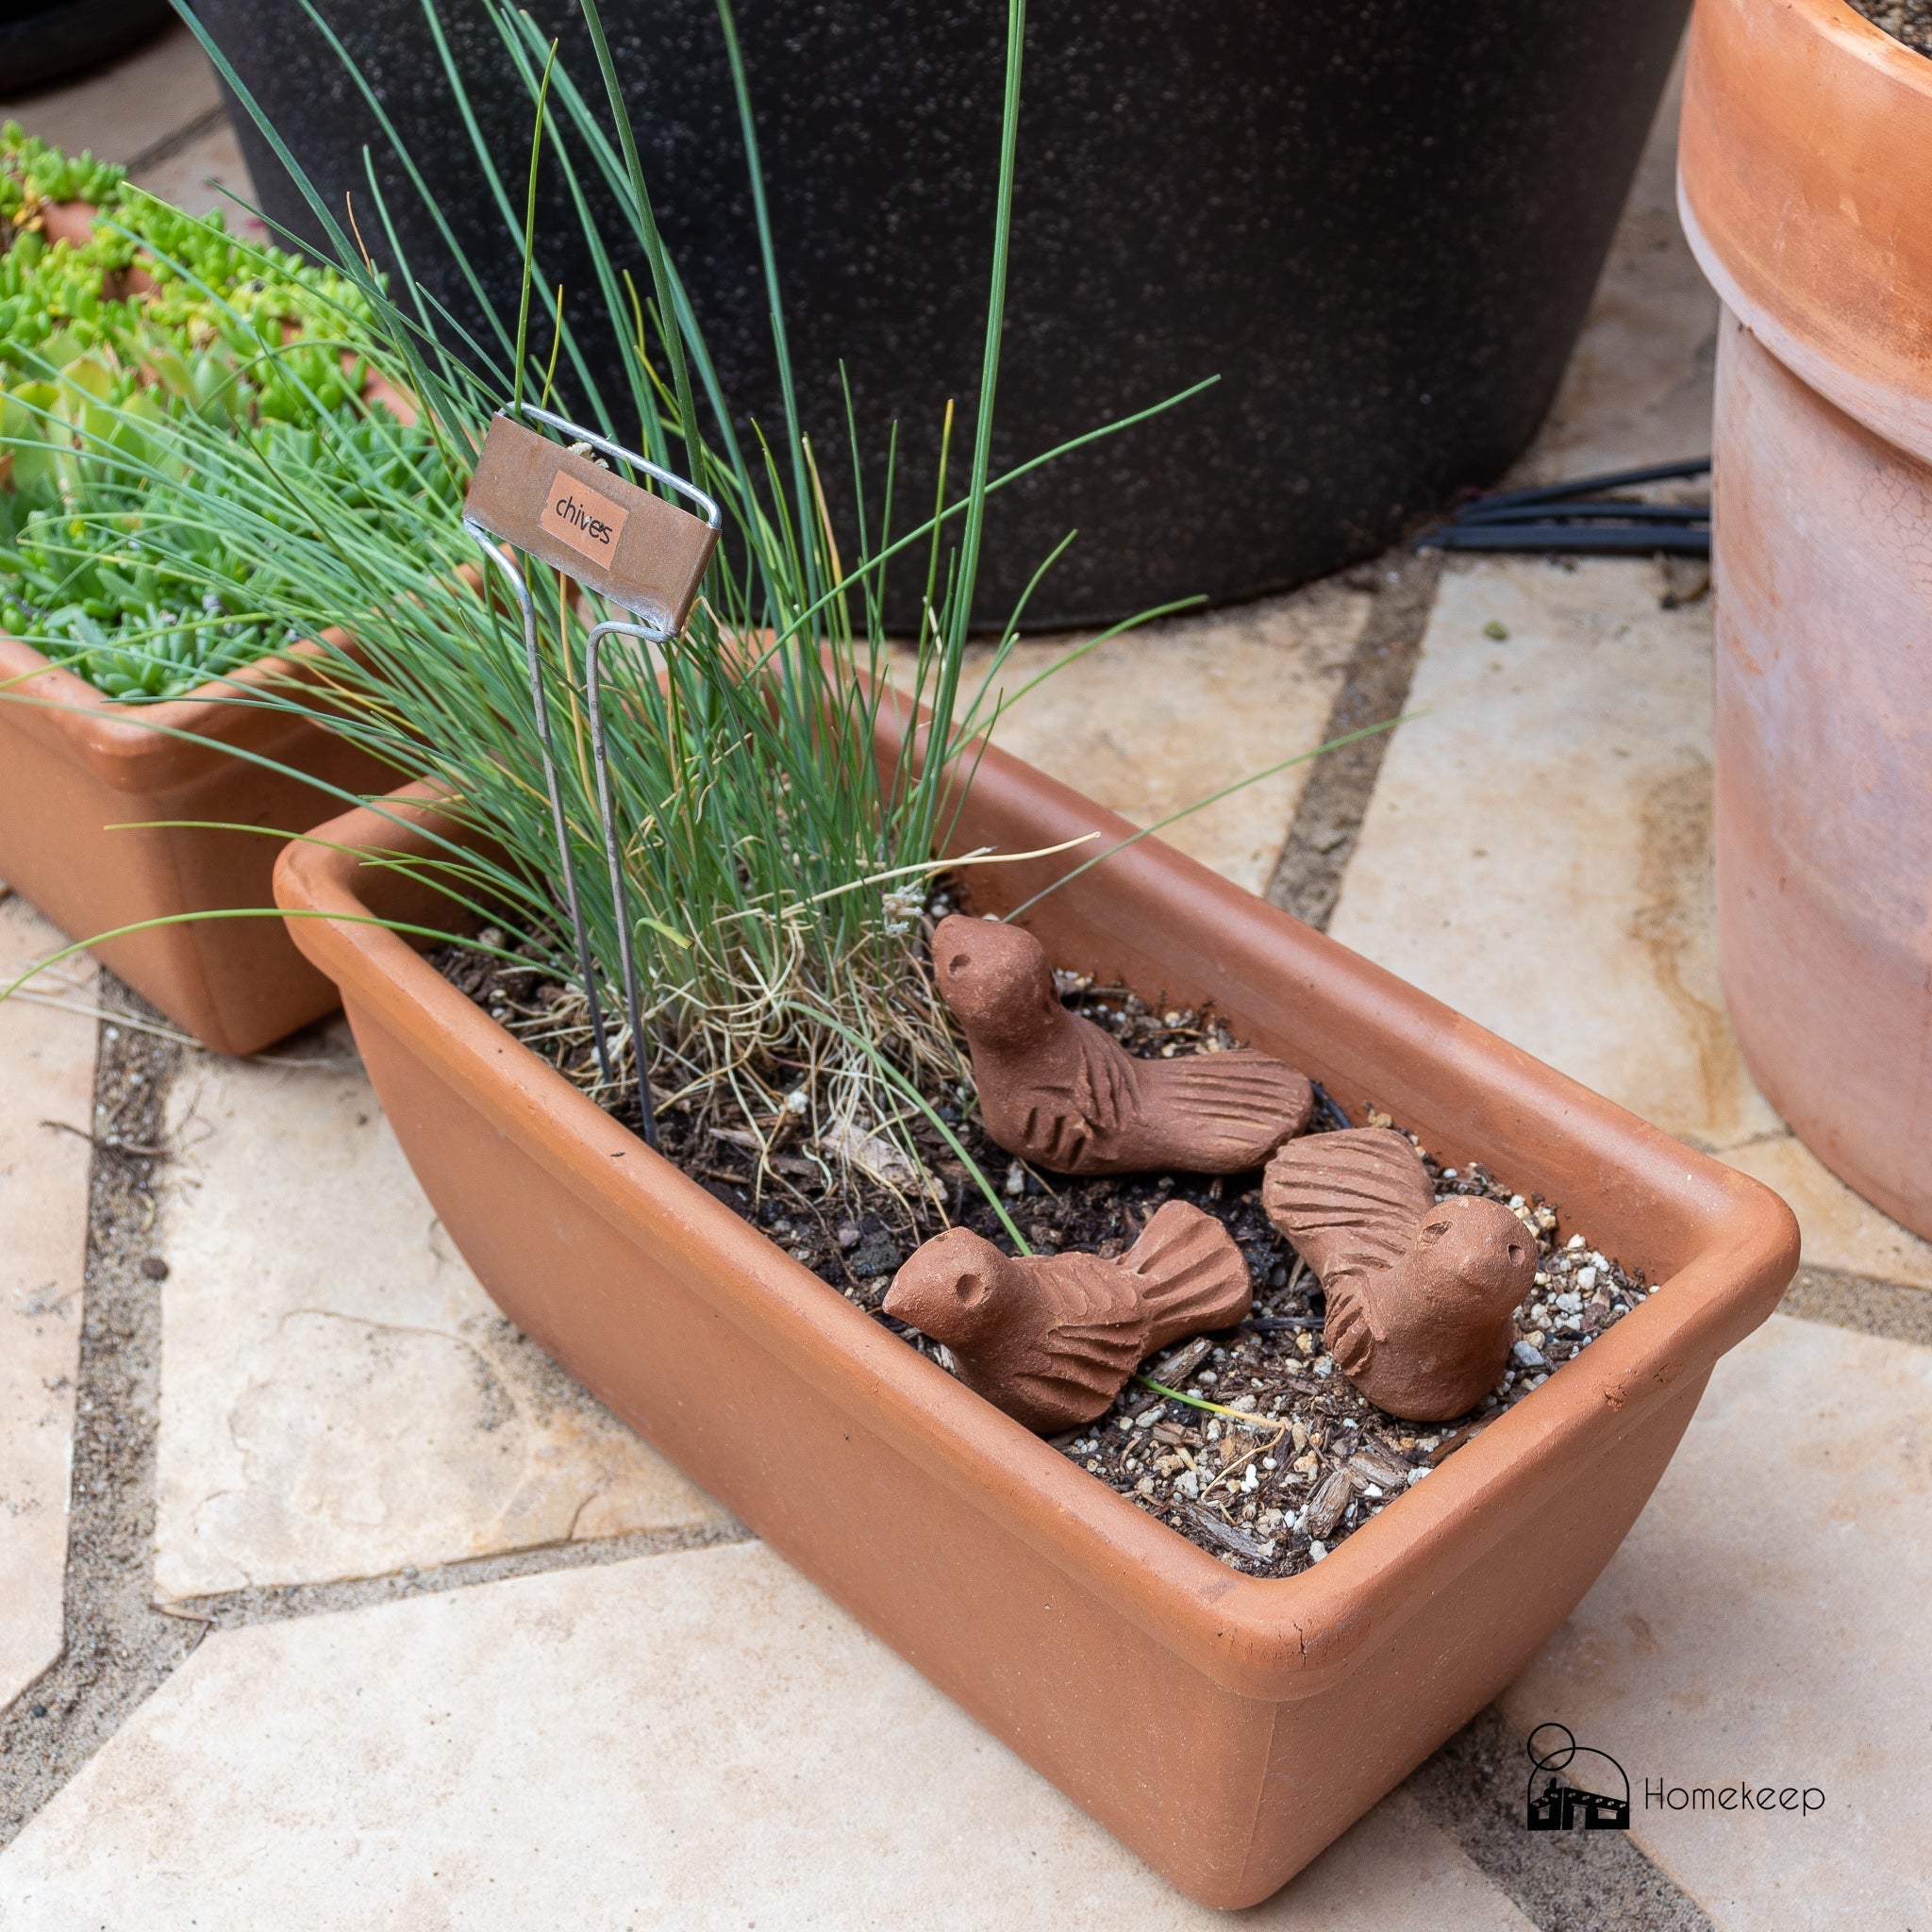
<point x="116" y="1649"/>
<point x="235" y="1609"/>
<point x="1866" y="1303"/>
<point x="169" y="145"/>
<point x="1328" y="819"/>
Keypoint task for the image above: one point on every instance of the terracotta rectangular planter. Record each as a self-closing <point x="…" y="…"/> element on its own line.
<point x="73" y="763"/>
<point x="1225" y="1727"/>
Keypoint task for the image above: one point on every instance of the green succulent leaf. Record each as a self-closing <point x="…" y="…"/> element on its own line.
<point x="115" y="563"/>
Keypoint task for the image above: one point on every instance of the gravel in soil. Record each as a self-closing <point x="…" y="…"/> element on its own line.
<point x="1910" y="21"/>
<point x="1290" y="1459"/>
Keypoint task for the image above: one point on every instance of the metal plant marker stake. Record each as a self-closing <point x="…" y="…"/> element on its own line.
<point x="614" y="852"/>
<point x="645" y="556"/>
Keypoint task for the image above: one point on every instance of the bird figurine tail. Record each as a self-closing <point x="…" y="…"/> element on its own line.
<point x="1192" y="1278"/>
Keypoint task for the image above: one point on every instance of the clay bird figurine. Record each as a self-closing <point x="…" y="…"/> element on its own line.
<point x="1420" y="1292"/>
<point x="1063" y="1094"/>
<point x="1053" y="1338"/>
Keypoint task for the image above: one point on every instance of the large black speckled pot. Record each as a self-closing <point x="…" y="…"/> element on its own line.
<point x="1378" y="222"/>
<point x="41" y="43"/>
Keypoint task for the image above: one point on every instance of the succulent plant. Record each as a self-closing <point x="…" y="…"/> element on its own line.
<point x="158" y="316"/>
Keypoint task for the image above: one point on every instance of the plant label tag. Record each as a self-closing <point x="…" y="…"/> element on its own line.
<point x="613" y="536"/>
<point x="584" y="518"/>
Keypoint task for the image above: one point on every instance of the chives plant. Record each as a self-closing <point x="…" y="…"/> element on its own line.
<point x="775" y="874"/>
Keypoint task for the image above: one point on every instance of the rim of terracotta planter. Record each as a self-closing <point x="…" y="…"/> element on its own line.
<point x="1722" y="1246"/>
<point x="163" y="745"/>
<point x="1802" y="193"/>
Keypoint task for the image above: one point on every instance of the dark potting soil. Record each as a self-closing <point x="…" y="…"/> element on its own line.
<point x="1291" y="1459"/>
<point x="1910" y="21"/>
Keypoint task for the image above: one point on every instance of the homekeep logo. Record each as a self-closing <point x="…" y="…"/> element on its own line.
<point x="1803" y="1799"/>
<point x="1556" y="1804"/>
<point x="1561" y="1805"/>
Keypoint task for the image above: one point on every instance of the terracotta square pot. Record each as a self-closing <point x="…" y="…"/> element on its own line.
<point x="1225" y="1727"/>
<point x="73" y="763"/>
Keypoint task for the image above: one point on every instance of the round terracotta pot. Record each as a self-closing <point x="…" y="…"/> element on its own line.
<point x="46" y="42"/>
<point x="1803" y="191"/>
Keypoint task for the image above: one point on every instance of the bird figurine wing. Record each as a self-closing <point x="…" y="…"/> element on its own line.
<point x="1089" y="1294"/>
<point x="1350" y="1202"/>
<point x="1101" y="1092"/>
<point x="1095" y="1333"/>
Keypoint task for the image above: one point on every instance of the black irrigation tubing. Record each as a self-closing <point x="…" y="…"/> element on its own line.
<point x="1564" y="517"/>
<point x="1608" y="509"/>
<point x="1594" y="540"/>
<point x="1328" y="1103"/>
<point x="1578" y="485"/>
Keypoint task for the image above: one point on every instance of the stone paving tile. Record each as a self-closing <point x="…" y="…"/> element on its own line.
<point x="1765" y="1623"/>
<point x="47" y="1073"/>
<point x="693" y="1741"/>
<point x="339" y="1398"/>
<point x="205" y="174"/>
<point x="127" y="108"/>
<point x="1164" y="717"/>
<point x="1538" y="855"/>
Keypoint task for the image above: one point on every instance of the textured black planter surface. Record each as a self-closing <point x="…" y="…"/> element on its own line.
<point x="45" y="42"/>
<point x="1379" y="223"/>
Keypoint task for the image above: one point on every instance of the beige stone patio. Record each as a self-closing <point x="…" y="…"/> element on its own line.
<point x="738" y="1752"/>
<point x="475" y="1657"/>
<point x="46" y="1075"/>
